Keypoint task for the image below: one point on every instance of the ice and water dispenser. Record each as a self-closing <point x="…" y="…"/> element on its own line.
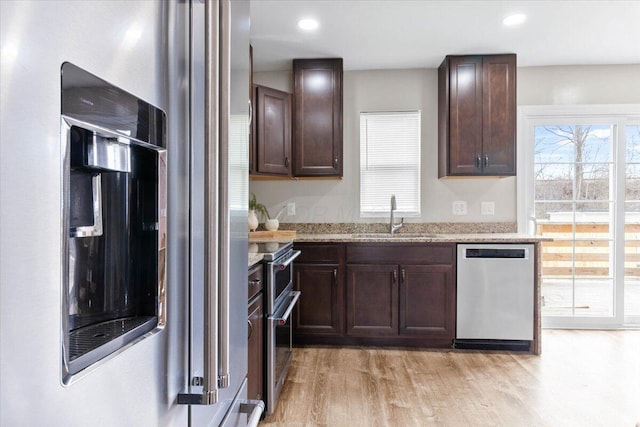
<point x="114" y="219"/>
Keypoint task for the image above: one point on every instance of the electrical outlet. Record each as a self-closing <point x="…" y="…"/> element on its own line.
<point x="291" y="208"/>
<point x="459" y="207"/>
<point x="487" y="208"/>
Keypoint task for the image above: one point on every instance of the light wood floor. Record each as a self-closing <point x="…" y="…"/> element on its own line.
<point x="582" y="378"/>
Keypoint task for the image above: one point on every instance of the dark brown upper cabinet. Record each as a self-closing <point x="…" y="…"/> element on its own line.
<point x="252" y="127"/>
<point x="477" y="115"/>
<point x="317" y="117"/>
<point x="272" y="144"/>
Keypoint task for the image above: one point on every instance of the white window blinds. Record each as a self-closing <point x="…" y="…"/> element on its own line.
<point x="389" y="162"/>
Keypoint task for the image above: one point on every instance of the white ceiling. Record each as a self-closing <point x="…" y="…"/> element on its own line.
<point x="387" y="34"/>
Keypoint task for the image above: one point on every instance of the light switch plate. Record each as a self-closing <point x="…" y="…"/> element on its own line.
<point x="459" y="207"/>
<point x="487" y="208"/>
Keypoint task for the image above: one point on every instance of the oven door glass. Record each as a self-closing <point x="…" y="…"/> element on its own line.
<point x="280" y="351"/>
<point x="282" y="277"/>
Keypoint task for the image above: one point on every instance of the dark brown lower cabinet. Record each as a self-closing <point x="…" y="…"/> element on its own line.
<point x="319" y="310"/>
<point x="255" y="369"/>
<point x="376" y="294"/>
<point x="372" y="300"/>
<point x="400" y="300"/>
<point x="427" y="300"/>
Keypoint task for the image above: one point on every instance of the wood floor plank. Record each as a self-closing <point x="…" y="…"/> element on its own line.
<point x="583" y="378"/>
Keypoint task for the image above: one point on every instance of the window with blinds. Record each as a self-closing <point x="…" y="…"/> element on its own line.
<point x="389" y="163"/>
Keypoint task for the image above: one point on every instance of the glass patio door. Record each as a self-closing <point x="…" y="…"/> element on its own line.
<point x="573" y="204"/>
<point x="632" y="225"/>
<point x="582" y="189"/>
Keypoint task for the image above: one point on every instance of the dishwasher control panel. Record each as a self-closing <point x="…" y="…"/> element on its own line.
<point x="496" y="253"/>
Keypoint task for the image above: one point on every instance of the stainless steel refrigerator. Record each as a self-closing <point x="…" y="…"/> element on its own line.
<point x="139" y="219"/>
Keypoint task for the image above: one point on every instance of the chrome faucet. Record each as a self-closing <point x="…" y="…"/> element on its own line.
<point x="393" y="227"/>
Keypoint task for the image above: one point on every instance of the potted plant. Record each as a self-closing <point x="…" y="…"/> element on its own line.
<point x="256" y="208"/>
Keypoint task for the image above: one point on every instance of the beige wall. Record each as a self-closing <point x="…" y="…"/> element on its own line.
<point x="338" y="201"/>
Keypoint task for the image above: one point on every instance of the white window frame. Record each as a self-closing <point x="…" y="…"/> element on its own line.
<point x="383" y="210"/>
<point x="620" y="115"/>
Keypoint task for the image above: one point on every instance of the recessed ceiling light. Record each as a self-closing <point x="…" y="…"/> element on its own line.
<point x="308" y="24"/>
<point x="515" y="19"/>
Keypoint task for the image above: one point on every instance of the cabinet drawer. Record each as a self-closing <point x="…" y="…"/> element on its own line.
<point x="401" y="253"/>
<point x="256" y="280"/>
<point x="318" y="252"/>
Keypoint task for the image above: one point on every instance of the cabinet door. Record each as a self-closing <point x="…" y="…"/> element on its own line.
<point x="372" y="300"/>
<point x="465" y="115"/>
<point x="317" y="140"/>
<point x="427" y="300"/>
<point x="319" y="308"/>
<point x="273" y="131"/>
<point x="255" y="356"/>
<point x="499" y="115"/>
<point x="252" y="128"/>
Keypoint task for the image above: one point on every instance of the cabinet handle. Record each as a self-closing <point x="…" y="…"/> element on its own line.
<point x="335" y="162"/>
<point x="395" y="276"/>
<point x="286" y="162"/>
<point x="335" y="276"/>
<point x="486" y="161"/>
<point x="403" y="275"/>
<point x="250" y="328"/>
<point x="255" y="282"/>
<point x="478" y="162"/>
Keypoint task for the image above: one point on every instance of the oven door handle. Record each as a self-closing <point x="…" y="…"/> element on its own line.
<point x="281" y="320"/>
<point x="285" y="264"/>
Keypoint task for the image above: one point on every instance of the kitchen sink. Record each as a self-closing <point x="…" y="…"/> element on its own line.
<point x="393" y="236"/>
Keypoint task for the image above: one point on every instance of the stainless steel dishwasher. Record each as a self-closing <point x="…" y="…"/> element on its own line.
<point x="495" y="292"/>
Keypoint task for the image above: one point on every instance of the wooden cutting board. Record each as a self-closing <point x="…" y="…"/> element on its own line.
<point x="272" y="235"/>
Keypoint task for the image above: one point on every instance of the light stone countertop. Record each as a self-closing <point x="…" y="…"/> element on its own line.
<point x="254" y="258"/>
<point x="422" y="238"/>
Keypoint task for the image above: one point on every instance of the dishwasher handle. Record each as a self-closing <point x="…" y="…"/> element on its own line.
<point x="497" y="253"/>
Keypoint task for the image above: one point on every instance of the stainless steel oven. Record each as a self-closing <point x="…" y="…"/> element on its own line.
<point x="279" y="278"/>
<point x="280" y="300"/>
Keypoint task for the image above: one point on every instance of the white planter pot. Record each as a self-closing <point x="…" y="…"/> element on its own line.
<point x="253" y="220"/>
<point x="272" y="224"/>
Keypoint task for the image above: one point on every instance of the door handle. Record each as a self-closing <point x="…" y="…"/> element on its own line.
<point x="281" y="320"/>
<point x="282" y="266"/>
<point x="223" y="190"/>
<point x="253" y="409"/>
<point x="212" y="209"/>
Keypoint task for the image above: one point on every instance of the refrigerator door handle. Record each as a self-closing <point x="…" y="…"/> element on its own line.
<point x="212" y="267"/>
<point x="217" y="61"/>
<point x="224" y="218"/>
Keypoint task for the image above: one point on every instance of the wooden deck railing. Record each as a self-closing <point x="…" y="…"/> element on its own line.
<point x="593" y="251"/>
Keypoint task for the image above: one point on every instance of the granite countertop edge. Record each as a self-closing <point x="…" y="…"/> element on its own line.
<point x="427" y="238"/>
<point x="254" y="258"/>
